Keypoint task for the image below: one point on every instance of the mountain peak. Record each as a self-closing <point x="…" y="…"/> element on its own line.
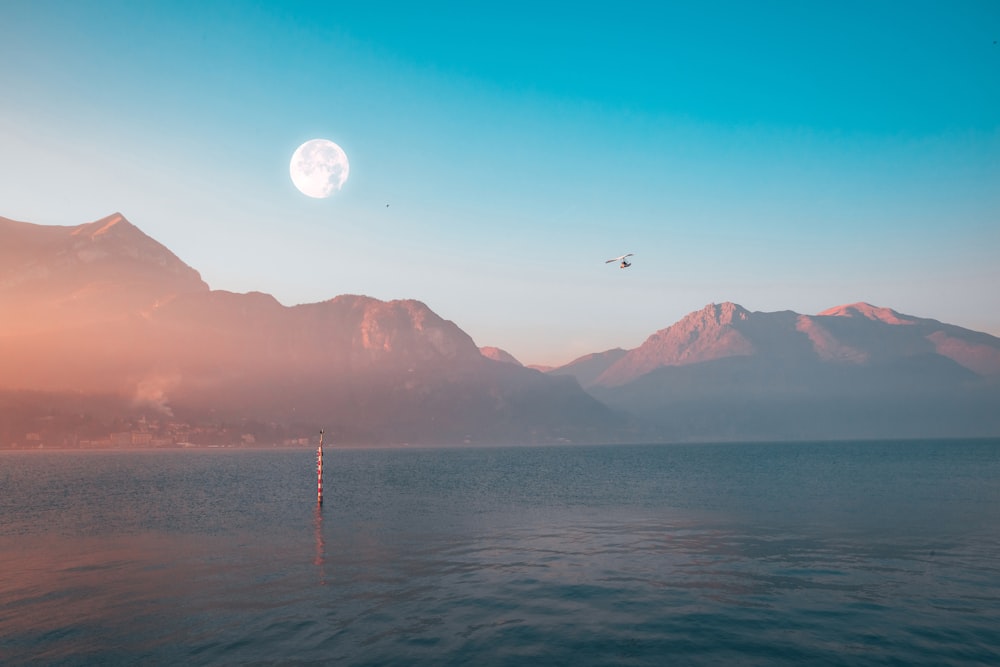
<point x="99" y="227"/>
<point x="104" y="248"/>
<point x="106" y="267"/>
<point x="869" y="312"/>
<point x="710" y="333"/>
<point x="720" y="314"/>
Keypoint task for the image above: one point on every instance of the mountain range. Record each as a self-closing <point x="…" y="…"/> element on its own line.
<point x="103" y="310"/>
<point x="856" y="370"/>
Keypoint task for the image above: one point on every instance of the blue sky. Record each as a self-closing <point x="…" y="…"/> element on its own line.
<point x="783" y="155"/>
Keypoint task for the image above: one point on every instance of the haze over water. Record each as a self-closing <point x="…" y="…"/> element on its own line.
<point x="785" y="554"/>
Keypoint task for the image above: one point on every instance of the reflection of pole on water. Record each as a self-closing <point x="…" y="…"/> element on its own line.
<point x="319" y="471"/>
<point x="320" y="558"/>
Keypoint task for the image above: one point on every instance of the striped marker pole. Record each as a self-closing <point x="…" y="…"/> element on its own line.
<point x="319" y="471"/>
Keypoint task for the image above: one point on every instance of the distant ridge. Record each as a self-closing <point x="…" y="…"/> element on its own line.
<point x="855" y="370"/>
<point x="588" y="368"/>
<point x="868" y="311"/>
<point x="856" y="334"/>
<point x="103" y="310"/>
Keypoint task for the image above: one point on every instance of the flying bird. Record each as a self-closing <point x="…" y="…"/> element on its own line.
<point x="621" y="258"/>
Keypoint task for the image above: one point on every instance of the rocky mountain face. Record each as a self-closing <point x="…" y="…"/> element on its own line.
<point x="851" y="371"/>
<point x="101" y="308"/>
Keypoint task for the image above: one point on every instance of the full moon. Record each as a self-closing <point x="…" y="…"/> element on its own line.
<point x="319" y="168"/>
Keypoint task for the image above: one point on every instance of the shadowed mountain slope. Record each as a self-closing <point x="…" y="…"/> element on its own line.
<point x="589" y="367"/>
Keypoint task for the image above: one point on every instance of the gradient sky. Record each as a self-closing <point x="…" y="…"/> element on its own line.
<point x="782" y="155"/>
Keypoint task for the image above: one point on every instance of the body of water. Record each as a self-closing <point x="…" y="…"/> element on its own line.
<point x="862" y="553"/>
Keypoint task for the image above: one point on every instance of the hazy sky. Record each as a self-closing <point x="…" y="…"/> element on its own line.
<point x="782" y="155"/>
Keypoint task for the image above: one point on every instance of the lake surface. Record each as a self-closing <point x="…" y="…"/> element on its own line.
<point x="864" y="553"/>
